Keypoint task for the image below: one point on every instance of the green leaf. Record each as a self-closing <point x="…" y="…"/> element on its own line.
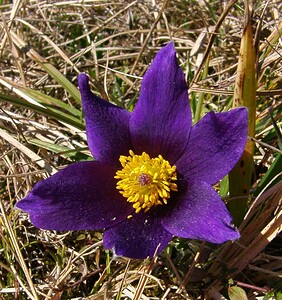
<point x="61" y="79"/>
<point x="237" y="293"/>
<point x="274" y="170"/>
<point x="50" y="101"/>
<point x="55" y="114"/>
<point x="224" y="187"/>
<point x="74" y="154"/>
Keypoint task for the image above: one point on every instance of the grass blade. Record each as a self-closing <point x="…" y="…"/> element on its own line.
<point x="58" y="115"/>
<point x="244" y="95"/>
<point x="49" y="68"/>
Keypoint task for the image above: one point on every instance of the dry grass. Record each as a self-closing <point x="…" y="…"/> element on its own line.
<point x="114" y="42"/>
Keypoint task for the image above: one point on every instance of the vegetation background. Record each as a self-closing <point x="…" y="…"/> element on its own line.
<point x="43" y="47"/>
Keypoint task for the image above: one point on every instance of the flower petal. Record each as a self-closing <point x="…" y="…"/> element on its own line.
<point x="107" y="126"/>
<point x="200" y="214"/>
<point x="137" y="237"/>
<point x="81" y="196"/>
<point x="216" y="143"/>
<point x="161" y="120"/>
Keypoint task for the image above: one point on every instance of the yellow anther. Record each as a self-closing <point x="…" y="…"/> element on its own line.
<point x="145" y="181"/>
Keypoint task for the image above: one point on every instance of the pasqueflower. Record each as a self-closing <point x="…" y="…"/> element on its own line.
<point x="153" y="171"/>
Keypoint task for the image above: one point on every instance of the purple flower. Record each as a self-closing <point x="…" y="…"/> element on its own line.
<point x="153" y="174"/>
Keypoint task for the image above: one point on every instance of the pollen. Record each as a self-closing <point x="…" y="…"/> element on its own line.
<point x="145" y="181"/>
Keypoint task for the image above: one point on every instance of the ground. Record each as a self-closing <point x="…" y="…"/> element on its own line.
<point x="44" y="45"/>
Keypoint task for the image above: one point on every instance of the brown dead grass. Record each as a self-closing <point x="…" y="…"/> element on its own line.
<point x="114" y="42"/>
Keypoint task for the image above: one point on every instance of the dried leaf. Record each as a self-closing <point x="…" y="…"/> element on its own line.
<point x="244" y="95"/>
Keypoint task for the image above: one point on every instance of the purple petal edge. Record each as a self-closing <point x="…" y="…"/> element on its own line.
<point x="161" y="120"/>
<point x="107" y="126"/>
<point x="82" y="196"/>
<point x="138" y="237"/>
<point x="216" y="144"/>
<point x="200" y="214"/>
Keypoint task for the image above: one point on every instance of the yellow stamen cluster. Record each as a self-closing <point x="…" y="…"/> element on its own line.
<point x="146" y="181"/>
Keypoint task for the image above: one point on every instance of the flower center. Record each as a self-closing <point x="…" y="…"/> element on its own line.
<point x="146" y="181"/>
